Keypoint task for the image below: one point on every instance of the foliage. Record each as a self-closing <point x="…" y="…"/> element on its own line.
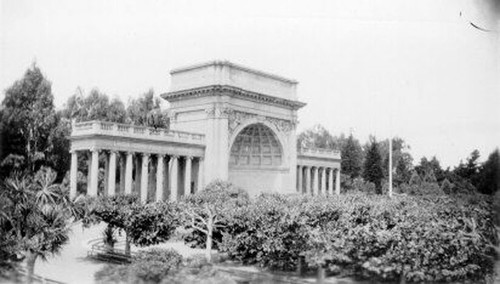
<point x="146" y="110"/>
<point x="208" y="211"/>
<point x="28" y="116"/>
<point x="352" y="157"/>
<point x="162" y="266"/>
<point x="372" y="170"/>
<point x="318" y="137"/>
<point x="489" y="174"/>
<point x="94" y="106"/>
<point x="113" y="273"/>
<point x="496" y="208"/>
<point x="418" y="238"/>
<point x="36" y="216"/>
<point x="143" y="224"/>
<point x="153" y="265"/>
<point x="427" y="166"/>
<point x="401" y="159"/>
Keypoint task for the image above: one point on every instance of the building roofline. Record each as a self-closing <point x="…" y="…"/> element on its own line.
<point x="235" y="66"/>
<point x="233" y="91"/>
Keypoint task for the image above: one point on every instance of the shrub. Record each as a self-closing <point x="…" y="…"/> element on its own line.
<point x="169" y="257"/>
<point x="419" y="238"/>
<point x="496" y="202"/>
<point x="112" y="274"/>
<point x="150" y="266"/>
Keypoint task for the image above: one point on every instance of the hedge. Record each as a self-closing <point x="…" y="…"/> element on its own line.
<point x="419" y="238"/>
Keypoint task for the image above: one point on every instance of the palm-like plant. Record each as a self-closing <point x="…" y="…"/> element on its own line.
<point x="37" y="213"/>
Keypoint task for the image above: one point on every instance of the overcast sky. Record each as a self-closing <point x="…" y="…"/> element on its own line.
<point x="415" y="69"/>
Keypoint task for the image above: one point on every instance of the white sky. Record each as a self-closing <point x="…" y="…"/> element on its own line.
<point x="416" y="69"/>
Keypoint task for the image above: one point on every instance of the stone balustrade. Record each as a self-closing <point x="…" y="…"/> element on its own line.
<point x="319" y="152"/>
<point x="133" y="131"/>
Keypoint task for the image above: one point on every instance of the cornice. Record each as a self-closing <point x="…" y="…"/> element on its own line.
<point x="215" y="90"/>
<point x="234" y="66"/>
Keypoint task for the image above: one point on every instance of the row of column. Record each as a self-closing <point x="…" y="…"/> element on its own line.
<point x="170" y="168"/>
<point x="317" y="180"/>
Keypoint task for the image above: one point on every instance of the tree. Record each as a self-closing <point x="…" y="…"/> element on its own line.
<point x="208" y="210"/>
<point x="433" y="165"/>
<point x="146" y="111"/>
<point x="28" y="116"/>
<point x="352" y="157"/>
<point x="143" y="224"/>
<point x="401" y="159"/>
<point x="317" y="137"/>
<point x="59" y="147"/>
<point x="489" y="182"/>
<point x="372" y="171"/>
<point x="36" y="216"/>
<point x="94" y="106"/>
<point x="470" y="170"/>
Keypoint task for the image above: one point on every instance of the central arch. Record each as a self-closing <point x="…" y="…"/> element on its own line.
<point x="258" y="160"/>
<point x="256" y="146"/>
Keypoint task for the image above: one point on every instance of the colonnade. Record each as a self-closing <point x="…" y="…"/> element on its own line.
<point x="316" y="180"/>
<point x="167" y="176"/>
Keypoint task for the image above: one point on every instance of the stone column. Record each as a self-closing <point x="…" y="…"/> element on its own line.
<point x="323" y="181"/>
<point x="89" y="170"/>
<point x="106" y="172"/>
<point x="331" y="180"/>
<point x="73" y="174"/>
<point x="299" y="177"/>
<point x="173" y="177"/>
<point x="308" y="180"/>
<point x="159" y="177"/>
<point x="128" y="173"/>
<point x="112" y="173"/>
<point x="315" y="181"/>
<point x="94" y="172"/>
<point x="144" y="178"/>
<point x="122" y="174"/>
<point x="337" y="183"/>
<point x="187" y="176"/>
<point x="201" y="173"/>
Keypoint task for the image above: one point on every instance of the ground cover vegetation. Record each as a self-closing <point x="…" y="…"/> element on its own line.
<point x="439" y="226"/>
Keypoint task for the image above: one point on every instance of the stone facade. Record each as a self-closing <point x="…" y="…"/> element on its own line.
<point x="239" y="122"/>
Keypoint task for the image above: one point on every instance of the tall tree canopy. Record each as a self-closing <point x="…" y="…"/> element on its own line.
<point x="430" y="167"/>
<point x="146" y="110"/>
<point x="352" y="157"/>
<point x="372" y="170"/>
<point x="94" y="106"/>
<point x="317" y="137"/>
<point x="489" y="182"/>
<point x="28" y="117"/>
<point x="401" y="159"/>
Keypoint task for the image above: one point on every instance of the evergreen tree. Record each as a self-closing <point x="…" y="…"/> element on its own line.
<point x="373" y="166"/>
<point x="433" y="165"/>
<point x="28" y="116"/>
<point x="352" y="157"/>
<point x="490" y="174"/>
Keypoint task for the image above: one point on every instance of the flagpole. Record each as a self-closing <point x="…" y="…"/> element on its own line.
<point x="390" y="167"/>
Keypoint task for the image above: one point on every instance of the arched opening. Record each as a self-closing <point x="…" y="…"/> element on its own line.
<point x="257" y="160"/>
<point x="256" y="146"/>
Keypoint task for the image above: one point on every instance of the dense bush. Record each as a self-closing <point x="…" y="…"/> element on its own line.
<point x="149" y="266"/>
<point x="420" y="238"/>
